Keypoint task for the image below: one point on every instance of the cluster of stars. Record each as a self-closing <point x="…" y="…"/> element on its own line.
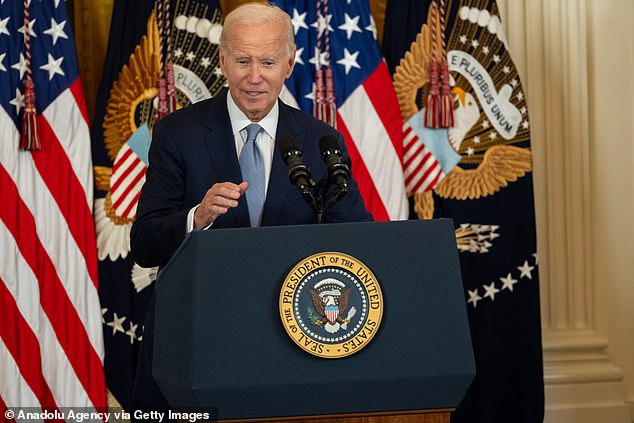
<point x="514" y="83"/>
<point x="323" y="24"/>
<point x="117" y="326"/>
<point x="476" y="238"/>
<point x="508" y="283"/>
<point x="190" y="56"/>
<point x="55" y="31"/>
<point x="53" y="65"/>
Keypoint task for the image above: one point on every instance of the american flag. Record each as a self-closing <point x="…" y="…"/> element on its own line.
<point x="368" y="114"/>
<point x="51" y="344"/>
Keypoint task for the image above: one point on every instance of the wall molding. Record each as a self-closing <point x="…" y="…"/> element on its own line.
<point x="581" y="383"/>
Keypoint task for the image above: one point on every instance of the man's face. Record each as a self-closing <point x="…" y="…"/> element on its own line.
<point x="256" y="63"/>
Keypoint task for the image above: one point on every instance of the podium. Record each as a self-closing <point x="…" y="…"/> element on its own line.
<point x="220" y="342"/>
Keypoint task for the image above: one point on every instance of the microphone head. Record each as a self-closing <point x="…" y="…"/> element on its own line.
<point x="328" y="142"/>
<point x="298" y="172"/>
<point x="286" y="144"/>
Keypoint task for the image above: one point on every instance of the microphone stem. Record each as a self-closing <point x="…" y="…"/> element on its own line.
<point x="318" y="207"/>
<point x="336" y="197"/>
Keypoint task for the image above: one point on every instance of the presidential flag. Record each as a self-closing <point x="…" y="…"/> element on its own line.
<point x="488" y="192"/>
<point x="340" y="37"/>
<point x="51" y="342"/>
<point x="155" y="46"/>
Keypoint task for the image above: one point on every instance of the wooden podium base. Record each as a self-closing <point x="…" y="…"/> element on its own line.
<point x="415" y="416"/>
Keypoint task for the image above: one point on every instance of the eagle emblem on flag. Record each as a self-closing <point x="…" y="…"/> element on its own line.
<point x="488" y="193"/>
<point x="486" y="148"/>
<point x="132" y="110"/>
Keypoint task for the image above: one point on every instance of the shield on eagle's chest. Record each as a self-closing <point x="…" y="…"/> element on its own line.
<point x="332" y="312"/>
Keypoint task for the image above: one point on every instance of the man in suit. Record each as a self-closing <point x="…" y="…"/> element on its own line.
<point x="197" y="178"/>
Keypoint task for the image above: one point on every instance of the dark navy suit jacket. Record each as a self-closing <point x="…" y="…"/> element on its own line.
<point x="192" y="149"/>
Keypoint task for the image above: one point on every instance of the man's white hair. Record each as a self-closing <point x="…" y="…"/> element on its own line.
<point x="256" y="14"/>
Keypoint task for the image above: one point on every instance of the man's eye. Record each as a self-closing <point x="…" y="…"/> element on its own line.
<point x="268" y="63"/>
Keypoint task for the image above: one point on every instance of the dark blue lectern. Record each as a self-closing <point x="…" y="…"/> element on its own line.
<point x="219" y="339"/>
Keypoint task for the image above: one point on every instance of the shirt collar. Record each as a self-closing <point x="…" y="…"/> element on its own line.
<point x="239" y="120"/>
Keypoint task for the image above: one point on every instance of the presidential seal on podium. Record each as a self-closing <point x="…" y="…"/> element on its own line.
<point x="331" y="305"/>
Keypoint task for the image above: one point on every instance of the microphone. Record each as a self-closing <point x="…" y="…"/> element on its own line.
<point x="338" y="172"/>
<point x="298" y="172"/>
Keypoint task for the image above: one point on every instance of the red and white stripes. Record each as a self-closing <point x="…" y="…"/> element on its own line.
<point x="421" y="169"/>
<point x="370" y="121"/>
<point x="128" y="176"/>
<point x="51" y="345"/>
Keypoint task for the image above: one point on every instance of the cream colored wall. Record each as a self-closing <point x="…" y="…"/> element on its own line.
<point x="576" y="59"/>
<point x="611" y="95"/>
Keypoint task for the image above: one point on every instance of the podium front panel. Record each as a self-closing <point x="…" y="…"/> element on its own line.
<point x="220" y="341"/>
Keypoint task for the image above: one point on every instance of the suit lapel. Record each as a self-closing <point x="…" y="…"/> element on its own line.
<point x="276" y="193"/>
<point x="222" y="151"/>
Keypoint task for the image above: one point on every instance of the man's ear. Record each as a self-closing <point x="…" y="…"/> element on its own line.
<point x="291" y="65"/>
<point x="221" y="57"/>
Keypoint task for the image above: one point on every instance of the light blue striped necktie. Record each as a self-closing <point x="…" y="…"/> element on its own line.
<point x="252" y="168"/>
